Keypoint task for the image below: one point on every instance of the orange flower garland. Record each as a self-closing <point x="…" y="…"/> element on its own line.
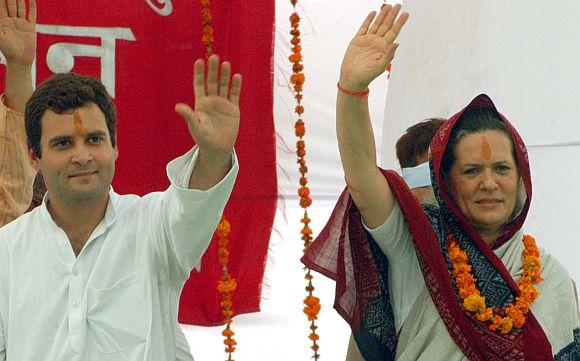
<point x="207" y="31"/>
<point x="512" y="316"/>
<point x="311" y="303"/>
<point x="227" y="284"/>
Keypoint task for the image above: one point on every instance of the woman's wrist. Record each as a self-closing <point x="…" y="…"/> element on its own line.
<point x="346" y="84"/>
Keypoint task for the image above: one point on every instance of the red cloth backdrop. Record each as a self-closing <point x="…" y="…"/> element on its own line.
<point x="153" y="72"/>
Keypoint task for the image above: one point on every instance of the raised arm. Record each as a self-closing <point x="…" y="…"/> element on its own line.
<point x="214" y="122"/>
<point x="367" y="57"/>
<point x="18" y="44"/>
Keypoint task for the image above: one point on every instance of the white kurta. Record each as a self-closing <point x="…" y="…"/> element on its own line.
<point x="118" y="299"/>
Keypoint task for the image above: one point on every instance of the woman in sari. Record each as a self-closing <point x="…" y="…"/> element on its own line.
<point x="455" y="281"/>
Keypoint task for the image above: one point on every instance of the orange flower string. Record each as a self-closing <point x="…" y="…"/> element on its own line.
<point x="207" y="30"/>
<point x="226" y="286"/>
<point x="507" y="318"/>
<point x="311" y="303"/>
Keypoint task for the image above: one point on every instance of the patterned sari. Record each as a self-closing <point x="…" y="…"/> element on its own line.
<point x="345" y="252"/>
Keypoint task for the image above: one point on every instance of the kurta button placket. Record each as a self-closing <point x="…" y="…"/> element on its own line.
<point x="77" y="313"/>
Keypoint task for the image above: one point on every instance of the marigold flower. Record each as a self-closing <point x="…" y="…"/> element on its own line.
<point x="299" y="109"/>
<point x="300" y="128"/>
<point x="497" y="321"/>
<point x="228" y="333"/>
<point x="305" y="202"/>
<point x="484" y="315"/>
<point x="294" y="18"/>
<point x="295" y="41"/>
<point x="474" y="303"/>
<point x="304" y="192"/>
<point x="313" y="337"/>
<point x="223" y="229"/>
<point x="295" y="32"/>
<point x="506" y="325"/>
<point x="306" y="230"/>
<point x="230" y="342"/>
<point x="297" y="67"/>
<point x="297" y="78"/>
<point x="303" y="183"/>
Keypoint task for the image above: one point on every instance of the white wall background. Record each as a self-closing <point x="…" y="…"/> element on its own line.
<point x="524" y="54"/>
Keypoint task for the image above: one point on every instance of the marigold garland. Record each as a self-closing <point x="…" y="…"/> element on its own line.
<point x="227" y="284"/>
<point x="311" y="303"/>
<point x="207" y="30"/>
<point x="504" y="319"/>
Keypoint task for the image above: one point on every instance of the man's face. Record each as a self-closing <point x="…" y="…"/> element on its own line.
<point x="78" y="159"/>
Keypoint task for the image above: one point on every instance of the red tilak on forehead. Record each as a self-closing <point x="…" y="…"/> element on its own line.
<point x="80" y="129"/>
<point x="485" y="149"/>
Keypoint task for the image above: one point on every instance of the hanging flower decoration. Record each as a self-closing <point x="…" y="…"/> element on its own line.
<point x="311" y="303"/>
<point x="504" y="319"/>
<point x="207" y="30"/>
<point x="226" y="284"/>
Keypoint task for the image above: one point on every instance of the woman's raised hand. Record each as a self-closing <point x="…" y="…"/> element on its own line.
<point x="373" y="48"/>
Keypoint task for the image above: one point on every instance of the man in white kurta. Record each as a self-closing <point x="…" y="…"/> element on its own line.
<point x="93" y="275"/>
<point x="118" y="299"/>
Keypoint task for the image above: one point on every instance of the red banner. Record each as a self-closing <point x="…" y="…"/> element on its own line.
<point x="143" y="51"/>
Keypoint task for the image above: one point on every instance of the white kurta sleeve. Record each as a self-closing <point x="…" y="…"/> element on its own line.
<point x="190" y="216"/>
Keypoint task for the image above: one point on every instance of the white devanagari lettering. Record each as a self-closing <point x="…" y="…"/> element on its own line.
<point x="166" y="10"/>
<point x="60" y="56"/>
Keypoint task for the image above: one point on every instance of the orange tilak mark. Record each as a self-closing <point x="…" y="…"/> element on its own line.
<point x="80" y="129"/>
<point x="485" y="149"/>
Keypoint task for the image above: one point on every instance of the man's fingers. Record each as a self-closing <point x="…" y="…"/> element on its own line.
<point x="187" y="113"/>
<point x="236" y="89"/>
<point x="385" y="10"/>
<point x="392" y="34"/>
<point x="12" y="9"/>
<point x="199" y="79"/>
<point x="3" y="9"/>
<point x="21" y="9"/>
<point x="32" y="11"/>
<point x="365" y="25"/>
<point x="225" y="79"/>
<point x="212" y="75"/>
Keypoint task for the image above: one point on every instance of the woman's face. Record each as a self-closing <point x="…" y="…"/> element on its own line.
<point x="484" y="180"/>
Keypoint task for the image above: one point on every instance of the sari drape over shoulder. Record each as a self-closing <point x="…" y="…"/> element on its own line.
<point x="438" y="327"/>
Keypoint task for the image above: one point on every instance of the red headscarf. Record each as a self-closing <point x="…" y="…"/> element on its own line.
<point x="345" y="252"/>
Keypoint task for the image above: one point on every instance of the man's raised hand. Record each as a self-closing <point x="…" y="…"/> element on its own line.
<point x="215" y="119"/>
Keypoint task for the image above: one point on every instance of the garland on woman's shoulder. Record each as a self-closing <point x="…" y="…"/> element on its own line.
<point x="311" y="303"/>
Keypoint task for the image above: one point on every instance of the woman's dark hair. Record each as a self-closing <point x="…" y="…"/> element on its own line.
<point x="473" y="120"/>
<point x="62" y="93"/>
